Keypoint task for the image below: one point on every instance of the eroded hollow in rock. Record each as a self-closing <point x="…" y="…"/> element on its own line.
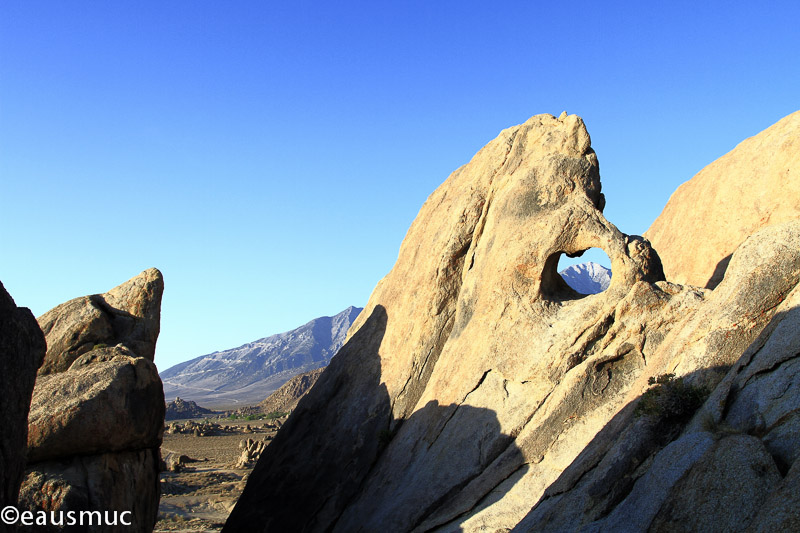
<point x="585" y="273"/>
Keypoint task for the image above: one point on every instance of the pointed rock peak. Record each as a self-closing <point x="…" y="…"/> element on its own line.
<point x="128" y="314"/>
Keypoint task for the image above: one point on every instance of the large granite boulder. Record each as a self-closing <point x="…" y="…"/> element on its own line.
<point x="97" y="414"/>
<point x="754" y="185"/>
<point x="22" y="349"/>
<point x="128" y="314"/>
<point x="107" y="406"/>
<point x="446" y="386"/>
<point x="478" y="392"/>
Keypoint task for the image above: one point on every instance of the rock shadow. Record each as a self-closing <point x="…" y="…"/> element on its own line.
<point x="342" y="463"/>
<point x="318" y="460"/>
<point x="719" y="272"/>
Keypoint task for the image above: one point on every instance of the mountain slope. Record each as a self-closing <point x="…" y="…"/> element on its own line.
<point x="587" y="278"/>
<point x="251" y="372"/>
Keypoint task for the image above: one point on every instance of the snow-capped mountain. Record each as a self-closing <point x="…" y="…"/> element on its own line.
<point x="587" y="278"/>
<point x="251" y="372"/>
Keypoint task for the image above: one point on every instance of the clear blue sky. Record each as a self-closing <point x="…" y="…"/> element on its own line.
<point x="269" y="157"/>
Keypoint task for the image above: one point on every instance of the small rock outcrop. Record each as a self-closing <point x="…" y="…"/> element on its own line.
<point x="22" y="349"/>
<point x="478" y="392"/>
<point x="285" y="399"/>
<point x="754" y="185"/>
<point x="251" y="451"/>
<point x="97" y="413"/>
<point x="185" y="409"/>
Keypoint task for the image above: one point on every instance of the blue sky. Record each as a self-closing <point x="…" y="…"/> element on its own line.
<point x="269" y="157"/>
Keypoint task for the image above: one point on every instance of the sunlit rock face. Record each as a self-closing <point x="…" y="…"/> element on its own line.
<point x="755" y="185"/>
<point x="476" y="382"/>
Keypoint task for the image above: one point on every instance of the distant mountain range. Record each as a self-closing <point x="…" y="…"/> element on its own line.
<point x="587" y="278"/>
<point x="250" y="373"/>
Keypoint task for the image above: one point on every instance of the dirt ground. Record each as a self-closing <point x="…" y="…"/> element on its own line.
<point x="202" y="494"/>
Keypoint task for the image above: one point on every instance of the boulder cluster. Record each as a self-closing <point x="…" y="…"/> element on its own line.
<point x="97" y="411"/>
<point x="251" y="451"/>
<point x="180" y="409"/>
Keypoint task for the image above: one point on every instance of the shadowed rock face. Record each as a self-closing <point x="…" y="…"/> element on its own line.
<point x="754" y="185"/>
<point x="478" y="392"/>
<point x="97" y="413"/>
<point x="22" y="349"/>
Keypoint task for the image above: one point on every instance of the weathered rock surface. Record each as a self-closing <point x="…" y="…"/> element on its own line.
<point x="107" y="406"/>
<point x="251" y="372"/>
<point x="742" y="343"/>
<point x="129" y="314"/>
<point x="97" y="412"/>
<point x="22" y="349"/>
<point x="104" y="482"/>
<point x="478" y="392"/>
<point x="754" y="185"/>
<point x="285" y="399"/>
<point x="449" y="374"/>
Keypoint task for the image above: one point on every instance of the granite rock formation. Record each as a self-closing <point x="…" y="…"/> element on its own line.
<point x="253" y="371"/>
<point x="478" y="392"/>
<point x="180" y="409"/>
<point x="129" y="314"/>
<point x="754" y="185"/>
<point x="97" y="414"/>
<point x="285" y="399"/>
<point x="22" y="349"/>
<point x="718" y="471"/>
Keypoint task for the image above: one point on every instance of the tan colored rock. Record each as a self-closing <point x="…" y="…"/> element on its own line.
<point x="97" y="415"/>
<point x="107" y="406"/>
<point x="460" y="347"/>
<point x="746" y="334"/>
<point x="128" y="314"/>
<point x="22" y="349"/>
<point x="251" y="451"/>
<point x="477" y="392"/>
<point x="754" y="185"/>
